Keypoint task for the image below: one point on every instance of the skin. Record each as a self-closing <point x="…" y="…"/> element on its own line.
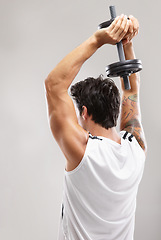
<point x="70" y="132"/>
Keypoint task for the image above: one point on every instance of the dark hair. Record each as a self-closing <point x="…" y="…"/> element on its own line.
<point x="101" y="98"/>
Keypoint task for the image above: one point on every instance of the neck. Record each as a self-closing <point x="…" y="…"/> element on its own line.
<point x="111" y="133"/>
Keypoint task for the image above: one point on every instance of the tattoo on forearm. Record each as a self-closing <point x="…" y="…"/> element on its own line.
<point x="129" y="107"/>
<point x="133" y="98"/>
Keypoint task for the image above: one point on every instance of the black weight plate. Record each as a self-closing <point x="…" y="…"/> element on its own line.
<point x="105" y="24"/>
<point x="122" y="63"/>
<point x="123" y="71"/>
<point x="124" y="68"/>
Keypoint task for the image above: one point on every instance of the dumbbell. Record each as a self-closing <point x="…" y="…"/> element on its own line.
<point x="124" y="68"/>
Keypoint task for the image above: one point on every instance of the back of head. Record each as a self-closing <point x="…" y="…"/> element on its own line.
<point x="101" y="97"/>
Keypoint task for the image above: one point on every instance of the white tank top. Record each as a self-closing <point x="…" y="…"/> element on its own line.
<point x="99" y="197"/>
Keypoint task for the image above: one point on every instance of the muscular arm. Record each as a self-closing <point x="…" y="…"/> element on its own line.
<point x="71" y="138"/>
<point x="130" y="108"/>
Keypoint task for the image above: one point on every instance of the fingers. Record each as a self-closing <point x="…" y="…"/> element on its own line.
<point x="135" y="24"/>
<point x="111" y="27"/>
<point x="119" y="27"/>
<point x="122" y="28"/>
<point x="132" y="30"/>
<point x="116" y="24"/>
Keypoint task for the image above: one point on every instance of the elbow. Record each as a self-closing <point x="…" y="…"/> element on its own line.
<point x="53" y="82"/>
<point x="50" y="84"/>
<point x="47" y="83"/>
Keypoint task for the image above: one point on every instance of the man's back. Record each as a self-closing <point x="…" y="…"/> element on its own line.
<point x="99" y="199"/>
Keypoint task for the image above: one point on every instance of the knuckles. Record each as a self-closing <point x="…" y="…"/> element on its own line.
<point x="125" y="29"/>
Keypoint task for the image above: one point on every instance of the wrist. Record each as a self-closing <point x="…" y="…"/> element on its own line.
<point x="129" y="51"/>
<point x="128" y="45"/>
<point x="95" y="41"/>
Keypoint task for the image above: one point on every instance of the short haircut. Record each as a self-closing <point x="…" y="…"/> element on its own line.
<point x="101" y="98"/>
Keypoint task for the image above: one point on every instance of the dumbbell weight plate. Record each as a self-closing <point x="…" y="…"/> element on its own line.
<point x="124" y="68"/>
<point x="105" y="24"/>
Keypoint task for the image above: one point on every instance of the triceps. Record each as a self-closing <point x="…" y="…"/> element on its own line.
<point x="131" y="118"/>
<point x="134" y="127"/>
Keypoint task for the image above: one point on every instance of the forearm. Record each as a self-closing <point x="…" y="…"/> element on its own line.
<point x="65" y="72"/>
<point x="130" y="108"/>
<point x="134" y="78"/>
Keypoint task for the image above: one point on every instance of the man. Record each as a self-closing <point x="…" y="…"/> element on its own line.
<point x="103" y="167"/>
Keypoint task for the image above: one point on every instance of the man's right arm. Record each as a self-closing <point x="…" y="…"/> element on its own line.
<point x="130" y="108"/>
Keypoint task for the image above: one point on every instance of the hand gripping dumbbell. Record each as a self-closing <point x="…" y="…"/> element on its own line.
<point x="124" y="68"/>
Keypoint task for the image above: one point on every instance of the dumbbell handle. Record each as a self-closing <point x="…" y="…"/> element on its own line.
<point x="120" y="50"/>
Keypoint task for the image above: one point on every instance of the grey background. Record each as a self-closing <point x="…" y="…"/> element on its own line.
<point x="34" y="37"/>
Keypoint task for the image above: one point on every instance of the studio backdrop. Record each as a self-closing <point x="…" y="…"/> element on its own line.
<point x="34" y="36"/>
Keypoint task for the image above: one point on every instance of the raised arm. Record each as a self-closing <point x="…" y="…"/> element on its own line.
<point x="130" y="108"/>
<point x="70" y="136"/>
